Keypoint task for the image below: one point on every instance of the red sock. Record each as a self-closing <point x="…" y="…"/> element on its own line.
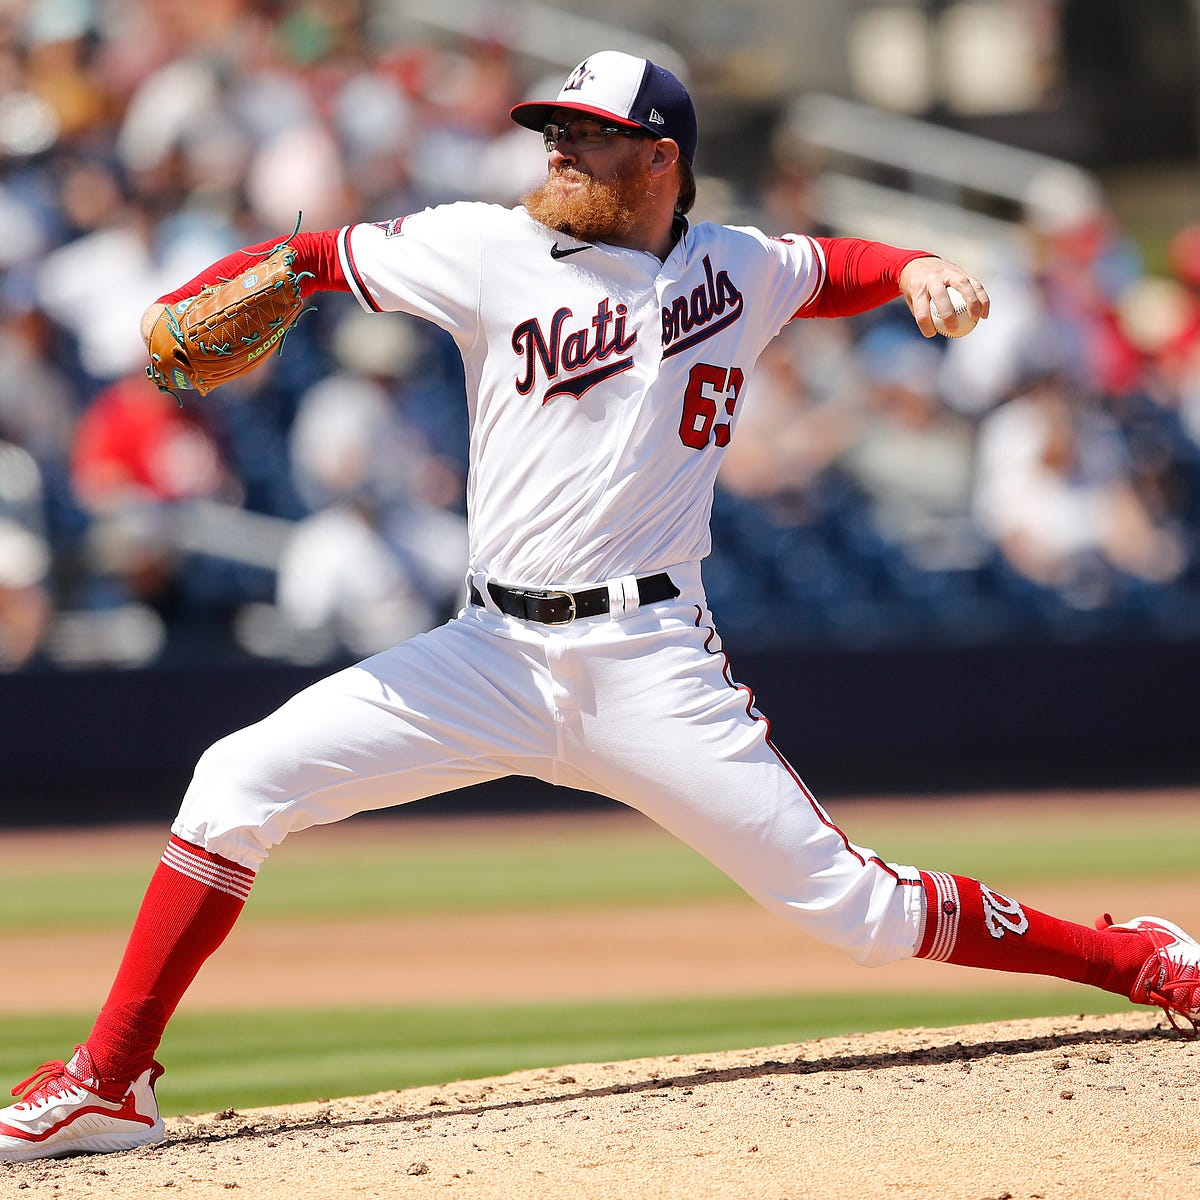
<point x="192" y="902"/>
<point x="969" y="924"/>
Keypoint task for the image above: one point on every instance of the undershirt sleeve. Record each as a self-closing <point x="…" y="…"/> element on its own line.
<point x="859" y="275"/>
<point x="315" y="252"/>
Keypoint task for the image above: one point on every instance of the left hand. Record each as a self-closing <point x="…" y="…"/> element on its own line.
<point x="926" y="279"/>
<point x="226" y="329"/>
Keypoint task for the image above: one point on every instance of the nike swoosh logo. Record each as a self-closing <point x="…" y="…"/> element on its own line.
<point x="556" y="252"/>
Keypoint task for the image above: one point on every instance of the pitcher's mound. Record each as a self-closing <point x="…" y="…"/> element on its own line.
<point x="1051" y="1108"/>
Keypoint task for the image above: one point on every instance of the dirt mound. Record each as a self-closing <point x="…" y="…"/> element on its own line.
<point x="1054" y="1108"/>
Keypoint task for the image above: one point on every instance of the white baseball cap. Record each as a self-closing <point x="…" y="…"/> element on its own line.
<point x="628" y="91"/>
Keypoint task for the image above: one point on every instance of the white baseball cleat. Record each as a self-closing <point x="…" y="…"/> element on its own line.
<point x="64" y="1109"/>
<point x="1171" y="975"/>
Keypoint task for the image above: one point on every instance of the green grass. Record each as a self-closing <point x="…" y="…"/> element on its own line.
<point x="251" y="1059"/>
<point x="334" y="878"/>
<point x="1032" y="855"/>
<point x="258" y="1058"/>
<point x="395" y="879"/>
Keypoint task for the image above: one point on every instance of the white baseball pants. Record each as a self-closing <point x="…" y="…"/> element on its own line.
<point x="638" y="705"/>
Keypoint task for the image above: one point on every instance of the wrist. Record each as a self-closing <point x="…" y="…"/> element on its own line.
<point x="149" y="319"/>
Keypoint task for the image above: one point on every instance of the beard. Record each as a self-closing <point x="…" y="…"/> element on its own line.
<point x="593" y="211"/>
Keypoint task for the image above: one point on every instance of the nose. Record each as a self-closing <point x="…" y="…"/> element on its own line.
<point x="563" y="152"/>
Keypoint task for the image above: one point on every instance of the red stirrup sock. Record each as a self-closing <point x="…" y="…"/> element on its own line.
<point x="969" y="924"/>
<point x="190" y="906"/>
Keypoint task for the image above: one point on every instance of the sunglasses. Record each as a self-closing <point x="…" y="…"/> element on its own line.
<point x="584" y="132"/>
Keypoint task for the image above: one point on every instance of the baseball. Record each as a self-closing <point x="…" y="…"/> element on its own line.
<point x="965" y="323"/>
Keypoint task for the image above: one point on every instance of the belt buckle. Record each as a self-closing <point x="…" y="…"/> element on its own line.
<point x="567" y="596"/>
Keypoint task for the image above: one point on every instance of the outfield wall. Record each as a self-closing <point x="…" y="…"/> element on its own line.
<point x="108" y="746"/>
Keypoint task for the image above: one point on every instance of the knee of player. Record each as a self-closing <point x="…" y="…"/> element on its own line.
<point x="227" y="806"/>
<point x="229" y="765"/>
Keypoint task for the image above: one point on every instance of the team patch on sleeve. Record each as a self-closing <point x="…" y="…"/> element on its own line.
<point x="392" y="228"/>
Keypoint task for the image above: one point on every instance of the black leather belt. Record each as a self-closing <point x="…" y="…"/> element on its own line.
<point x="561" y="608"/>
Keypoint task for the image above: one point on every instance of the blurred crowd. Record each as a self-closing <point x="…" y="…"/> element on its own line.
<point x="1041" y="480"/>
<point x="1037" y="480"/>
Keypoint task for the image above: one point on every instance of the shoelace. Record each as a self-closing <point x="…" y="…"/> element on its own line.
<point x="40" y="1084"/>
<point x="1180" y="995"/>
<point x="1188" y="981"/>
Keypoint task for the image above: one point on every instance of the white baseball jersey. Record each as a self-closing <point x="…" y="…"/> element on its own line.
<point x="603" y="383"/>
<point x="603" y="386"/>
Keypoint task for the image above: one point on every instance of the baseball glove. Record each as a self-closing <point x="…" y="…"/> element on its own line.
<point x="228" y="328"/>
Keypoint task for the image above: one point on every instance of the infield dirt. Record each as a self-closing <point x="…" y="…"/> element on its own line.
<point x="1053" y="1109"/>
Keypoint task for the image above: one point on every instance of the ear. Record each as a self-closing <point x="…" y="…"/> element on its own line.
<point x="664" y="155"/>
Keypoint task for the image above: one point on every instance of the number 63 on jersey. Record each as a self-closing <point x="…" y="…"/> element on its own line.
<point x="708" y="404"/>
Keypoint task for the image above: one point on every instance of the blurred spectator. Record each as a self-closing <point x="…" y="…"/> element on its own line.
<point x="135" y="443"/>
<point x="1172" y="327"/>
<point x="25" y="601"/>
<point x="25" y="559"/>
<point x="464" y="102"/>
<point x="511" y="164"/>
<point x="376" y="561"/>
<point x="787" y="201"/>
<point x="913" y="457"/>
<point x="37" y="403"/>
<point x="1054" y="491"/>
<point x="1084" y="263"/>
<point x="137" y="454"/>
<point x="60" y="67"/>
<point x="795" y="420"/>
<point x="112" y="245"/>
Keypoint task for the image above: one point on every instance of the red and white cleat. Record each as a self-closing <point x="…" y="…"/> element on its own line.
<point x="1171" y="975"/>
<point x="65" y="1109"/>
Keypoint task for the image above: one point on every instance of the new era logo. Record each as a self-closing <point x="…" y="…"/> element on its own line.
<point x="656" y="118"/>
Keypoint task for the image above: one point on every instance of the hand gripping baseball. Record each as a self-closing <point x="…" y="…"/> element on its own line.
<point x="925" y="284"/>
<point x="227" y="329"/>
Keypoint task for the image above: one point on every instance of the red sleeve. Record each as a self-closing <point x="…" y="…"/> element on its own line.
<point x="859" y="275"/>
<point x="315" y="252"/>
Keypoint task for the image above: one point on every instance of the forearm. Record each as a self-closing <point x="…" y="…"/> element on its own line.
<point x="860" y="275"/>
<point x="316" y="255"/>
<point x="316" y="258"/>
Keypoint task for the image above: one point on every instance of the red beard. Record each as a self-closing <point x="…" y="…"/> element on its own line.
<point x="594" y="211"/>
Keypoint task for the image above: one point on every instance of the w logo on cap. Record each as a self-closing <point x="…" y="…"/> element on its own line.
<point x="578" y="78"/>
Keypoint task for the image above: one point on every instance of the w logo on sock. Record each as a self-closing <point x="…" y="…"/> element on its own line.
<point x="1002" y="915"/>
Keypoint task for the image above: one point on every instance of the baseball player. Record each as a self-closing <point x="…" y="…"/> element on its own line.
<point x="609" y="347"/>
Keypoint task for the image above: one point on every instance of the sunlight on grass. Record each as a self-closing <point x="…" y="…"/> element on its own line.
<point x="462" y="870"/>
<point x="253" y="1059"/>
